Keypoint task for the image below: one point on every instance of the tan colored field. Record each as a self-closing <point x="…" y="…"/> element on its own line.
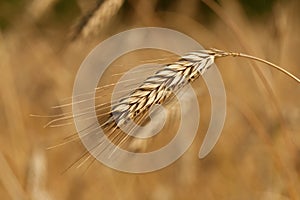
<point x="258" y="154"/>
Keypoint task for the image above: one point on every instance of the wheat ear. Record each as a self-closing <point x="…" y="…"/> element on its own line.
<point x="158" y="88"/>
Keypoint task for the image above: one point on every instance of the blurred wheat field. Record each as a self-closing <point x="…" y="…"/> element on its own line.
<point x="257" y="156"/>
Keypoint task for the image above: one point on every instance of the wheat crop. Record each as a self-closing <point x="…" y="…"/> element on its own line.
<point x="157" y="89"/>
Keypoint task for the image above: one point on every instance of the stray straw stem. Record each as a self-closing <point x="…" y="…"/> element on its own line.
<point x="223" y="54"/>
<point x="270" y="64"/>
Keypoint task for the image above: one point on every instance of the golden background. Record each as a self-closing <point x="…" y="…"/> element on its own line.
<point x="257" y="156"/>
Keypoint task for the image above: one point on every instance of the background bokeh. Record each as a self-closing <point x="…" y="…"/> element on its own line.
<point x="42" y="44"/>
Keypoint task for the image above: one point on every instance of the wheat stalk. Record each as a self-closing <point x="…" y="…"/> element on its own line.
<point x="224" y="53"/>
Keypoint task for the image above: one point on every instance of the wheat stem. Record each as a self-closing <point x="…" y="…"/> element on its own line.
<point x="224" y="53"/>
<point x="270" y="64"/>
